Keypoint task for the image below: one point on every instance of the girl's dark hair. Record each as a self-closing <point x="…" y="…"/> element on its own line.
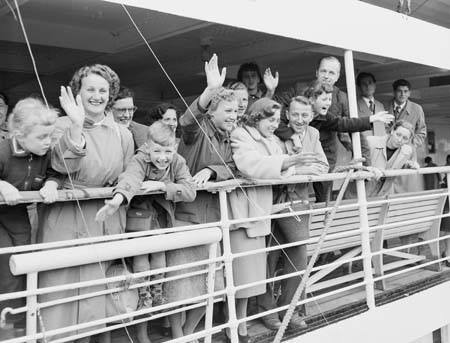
<point x="157" y="112"/>
<point x="251" y="66"/>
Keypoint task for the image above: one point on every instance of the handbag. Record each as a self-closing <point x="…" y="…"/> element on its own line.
<point x="141" y="219"/>
<point x="122" y="302"/>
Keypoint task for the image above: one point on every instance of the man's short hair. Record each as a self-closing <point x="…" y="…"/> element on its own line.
<point x="363" y="75"/>
<point x="399" y="83"/>
<point x="161" y="134"/>
<point x="124" y="93"/>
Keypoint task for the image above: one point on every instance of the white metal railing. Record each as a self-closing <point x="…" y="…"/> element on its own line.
<point x="39" y="257"/>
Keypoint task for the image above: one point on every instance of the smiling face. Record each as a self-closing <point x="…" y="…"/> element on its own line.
<point x="242" y="98"/>
<point x="267" y="126"/>
<point x="225" y="115"/>
<point x="161" y="156"/>
<point x="322" y="103"/>
<point x="328" y="71"/>
<point x="123" y="110"/>
<point x="38" y="140"/>
<point x="94" y="94"/>
<point x="299" y="116"/>
<point x="400" y="136"/>
<point x="251" y="79"/>
<point x="402" y="94"/>
<point x="170" y="119"/>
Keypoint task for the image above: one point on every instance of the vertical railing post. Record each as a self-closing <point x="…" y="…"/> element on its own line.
<point x="210" y="283"/>
<point x="31" y="321"/>
<point x="360" y="187"/>
<point x="228" y="259"/>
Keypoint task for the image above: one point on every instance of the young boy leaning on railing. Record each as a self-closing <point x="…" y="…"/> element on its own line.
<point x="155" y="167"/>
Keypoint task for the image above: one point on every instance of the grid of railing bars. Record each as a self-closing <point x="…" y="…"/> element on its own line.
<point x="210" y="267"/>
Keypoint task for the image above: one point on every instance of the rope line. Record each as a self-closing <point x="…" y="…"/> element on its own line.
<point x="208" y="139"/>
<point x="66" y="168"/>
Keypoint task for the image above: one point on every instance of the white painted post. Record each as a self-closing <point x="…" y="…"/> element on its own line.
<point x="228" y="259"/>
<point x="32" y="284"/>
<point x="210" y="287"/>
<point x="360" y="188"/>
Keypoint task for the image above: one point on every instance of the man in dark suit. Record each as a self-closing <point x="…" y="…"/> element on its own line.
<point x="367" y="104"/>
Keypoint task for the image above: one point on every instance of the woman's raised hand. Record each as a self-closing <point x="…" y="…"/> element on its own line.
<point x="214" y="78"/>
<point x="270" y="81"/>
<point x="72" y="106"/>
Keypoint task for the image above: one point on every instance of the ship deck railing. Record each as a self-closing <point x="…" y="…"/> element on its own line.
<point x="372" y="223"/>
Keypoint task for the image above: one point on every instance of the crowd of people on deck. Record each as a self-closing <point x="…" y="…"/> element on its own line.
<point x="235" y="128"/>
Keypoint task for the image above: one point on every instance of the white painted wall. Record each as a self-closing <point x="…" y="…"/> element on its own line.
<point x="403" y="321"/>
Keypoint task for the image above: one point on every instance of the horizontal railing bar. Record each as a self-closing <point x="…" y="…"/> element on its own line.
<point x="87" y="254"/>
<point x="100" y="193"/>
<point x="108" y="238"/>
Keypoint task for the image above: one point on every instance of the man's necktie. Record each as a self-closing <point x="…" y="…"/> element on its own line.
<point x="397" y="111"/>
<point x="372" y="106"/>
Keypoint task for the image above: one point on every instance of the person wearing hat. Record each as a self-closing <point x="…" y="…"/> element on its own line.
<point x="4" y="102"/>
<point x="257" y="154"/>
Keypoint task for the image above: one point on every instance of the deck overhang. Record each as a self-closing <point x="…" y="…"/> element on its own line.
<point x="348" y="24"/>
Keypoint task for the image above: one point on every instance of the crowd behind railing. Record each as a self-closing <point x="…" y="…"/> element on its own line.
<point x="243" y="130"/>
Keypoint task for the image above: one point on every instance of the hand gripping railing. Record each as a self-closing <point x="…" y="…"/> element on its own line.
<point x="35" y="262"/>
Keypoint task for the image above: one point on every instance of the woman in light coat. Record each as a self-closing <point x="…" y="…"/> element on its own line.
<point x="258" y="155"/>
<point x="393" y="151"/>
<point x="94" y="154"/>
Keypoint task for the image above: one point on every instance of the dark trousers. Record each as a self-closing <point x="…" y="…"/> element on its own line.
<point x="322" y="191"/>
<point x="287" y="230"/>
<point x="15" y="230"/>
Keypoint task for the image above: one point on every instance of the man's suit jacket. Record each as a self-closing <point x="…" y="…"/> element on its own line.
<point x="364" y="111"/>
<point x="412" y="113"/>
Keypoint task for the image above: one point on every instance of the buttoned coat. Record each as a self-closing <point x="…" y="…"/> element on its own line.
<point x="256" y="157"/>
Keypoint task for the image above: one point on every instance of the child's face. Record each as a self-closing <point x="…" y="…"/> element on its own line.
<point x="170" y="118"/>
<point x="225" y="115"/>
<point x="38" y="140"/>
<point x="94" y="93"/>
<point x="322" y="103"/>
<point x="161" y="156"/>
<point x="299" y="116"/>
<point x="267" y="126"/>
<point x="250" y="79"/>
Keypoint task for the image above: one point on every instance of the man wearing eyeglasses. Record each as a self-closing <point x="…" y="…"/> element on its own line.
<point x="123" y="110"/>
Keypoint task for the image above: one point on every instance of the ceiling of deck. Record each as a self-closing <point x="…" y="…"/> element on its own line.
<point x="66" y="34"/>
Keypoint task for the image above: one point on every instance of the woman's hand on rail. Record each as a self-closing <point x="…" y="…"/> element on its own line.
<point x="377" y="173"/>
<point x="312" y="169"/>
<point x="412" y="164"/>
<point x="303" y="158"/>
<point x="382" y="116"/>
<point x="214" y="78"/>
<point x="202" y="177"/>
<point x="49" y="192"/>
<point x="10" y="194"/>
<point x="111" y="206"/>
